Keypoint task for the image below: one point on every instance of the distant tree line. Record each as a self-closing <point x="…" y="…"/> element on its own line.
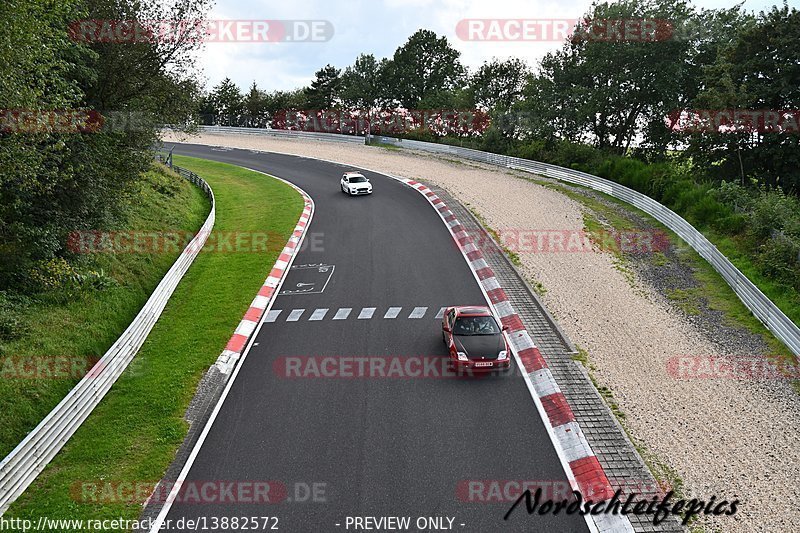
<point x="649" y="114"/>
<point x="617" y="97"/>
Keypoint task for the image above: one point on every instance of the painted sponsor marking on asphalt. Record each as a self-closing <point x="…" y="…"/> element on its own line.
<point x="392" y="312"/>
<point x="366" y="313"/>
<point x="440" y="314"/>
<point x="308" y="279"/>
<point x="418" y="312"/>
<point x="295" y="315"/>
<point x="318" y="314"/>
<point x="342" y="313"/>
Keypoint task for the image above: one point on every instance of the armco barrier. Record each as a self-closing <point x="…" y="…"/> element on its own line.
<point x="289" y="134"/>
<point x="755" y="300"/>
<point x="28" y="459"/>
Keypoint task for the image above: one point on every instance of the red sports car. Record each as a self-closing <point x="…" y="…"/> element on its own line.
<point x="474" y="339"/>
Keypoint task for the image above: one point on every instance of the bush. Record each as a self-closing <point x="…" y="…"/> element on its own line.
<point x="12" y="325"/>
<point x="779" y="258"/>
<point x="774" y="211"/>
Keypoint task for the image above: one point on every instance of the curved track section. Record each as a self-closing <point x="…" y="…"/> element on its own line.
<point x="369" y="281"/>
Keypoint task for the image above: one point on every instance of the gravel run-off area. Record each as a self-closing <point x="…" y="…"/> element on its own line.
<point x="732" y="438"/>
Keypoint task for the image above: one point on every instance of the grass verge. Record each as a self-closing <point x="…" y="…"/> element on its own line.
<point x="133" y="434"/>
<point x="79" y="326"/>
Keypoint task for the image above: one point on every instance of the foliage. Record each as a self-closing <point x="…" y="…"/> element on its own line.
<point x="54" y="180"/>
<point x="424" y="66"/>
<point x="324" y="90"/>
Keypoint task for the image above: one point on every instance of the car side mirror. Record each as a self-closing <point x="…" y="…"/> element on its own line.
<point x="505" y="328"/>
<point x="445" y="328"/>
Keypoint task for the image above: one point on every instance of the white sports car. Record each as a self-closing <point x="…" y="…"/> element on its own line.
<point x="354" y="183"/>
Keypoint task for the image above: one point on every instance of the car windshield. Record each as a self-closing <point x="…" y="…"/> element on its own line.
<point x="475" y="325"/>
<point x="357" y="179"/>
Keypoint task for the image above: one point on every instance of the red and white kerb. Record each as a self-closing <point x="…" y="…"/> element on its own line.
<point x="233" y="350"/>
<point x="567" y="436"/>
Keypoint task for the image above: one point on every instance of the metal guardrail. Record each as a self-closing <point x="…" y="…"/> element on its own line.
<point x="29" y="458"/>
<point x="290" y="134"/>
<point x="755" y="300"/>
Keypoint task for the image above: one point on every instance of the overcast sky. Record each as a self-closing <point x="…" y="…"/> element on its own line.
<point x="377" y="27"/>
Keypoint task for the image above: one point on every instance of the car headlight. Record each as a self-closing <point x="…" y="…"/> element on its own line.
<point x="502" y="355"/>
<point x="462" y="356"/>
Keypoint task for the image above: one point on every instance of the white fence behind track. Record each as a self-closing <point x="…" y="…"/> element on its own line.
<point x="288" y="134"/>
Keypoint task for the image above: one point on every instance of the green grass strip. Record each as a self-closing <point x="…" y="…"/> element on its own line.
<point x="80" y="327"/>
<point x="134" y="433"/>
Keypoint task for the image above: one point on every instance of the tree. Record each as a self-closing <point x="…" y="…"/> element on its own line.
<point x="54" y="180"/>
<point x="363" y="83"/>
<point x="324" y="91"/>
<point x="610" y="92"/>
<point x="227" y="100"/>
<point x="758" y="70"/>
<point x="499" y="84"/>
<point x="424" y="66"/>
<point x="254" y="107"/>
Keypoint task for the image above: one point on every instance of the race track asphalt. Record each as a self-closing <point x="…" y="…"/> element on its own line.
<point x="374" y="446"/>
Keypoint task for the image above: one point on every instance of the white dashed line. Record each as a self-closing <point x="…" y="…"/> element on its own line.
<point x="393" y="312"/>
<point x="418" y="312"/>
<point x="318" y="314"/>
<point x="342" y="313"/>
<point x="366" y="313"/>
<point x="295" y="315"/>
<point x="272" y="315"/>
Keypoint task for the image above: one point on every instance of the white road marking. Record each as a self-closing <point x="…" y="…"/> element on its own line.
<point x="318" y="314"/>
<point x="367" y="312"/>
<point x="393" y="312"/>
<point x="295" y="315"/>
<point x="418" y="312"/>
<point x="342" y="313"/>
<point x="272" y="315"/>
